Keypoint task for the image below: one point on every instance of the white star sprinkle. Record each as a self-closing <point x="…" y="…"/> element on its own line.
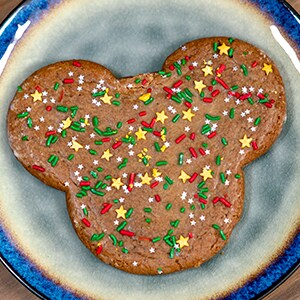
<point x="95" y="162"/>
<point x="67" y="183"/>
<point x="76" y="173"/>
<point x="26" y="96"/>
<point x="194" y="64"/>
<point x="241" y="151"/>
<point x="80" y="167"/>
<point x="70" y="74"/>
<point x="202" y="218"/>
<point x="226" y="221"/>
<point x="225" y="113"/>
<point x="193" y="222"/>
<point x="152" y="250"/>
<point x="135" y="106"/>
<point x="36" y="128"/>
<point x="135" y="263"/>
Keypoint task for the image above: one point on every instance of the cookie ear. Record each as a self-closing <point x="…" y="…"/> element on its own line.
<point x="44" y="146"/>
<point x="247" y="100"/>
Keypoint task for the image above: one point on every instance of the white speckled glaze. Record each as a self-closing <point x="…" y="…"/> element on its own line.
<point x="131" y="37"/>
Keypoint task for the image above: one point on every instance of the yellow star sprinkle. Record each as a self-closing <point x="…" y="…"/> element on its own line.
<point x="67" y="123"/>
<point x="121" y="212"/>
<point x="245" y="141"/>
<point x="36" y="96"/>
<point x="183" y="176"/>
<point x="183" y="241"/>
<point x="146" y="179"/>
<point x="155" y="173"/>
<point x="267" y="68"/>
<point x="188" y="115"/>
<point x="76" y="146"/>
<point x="107" y="155"/>
<point x="161" y="117"/>
<point x="206" y="174"/>
<point x="199" y="85"/>
<point x="207" y="71"/>
<point x="106" y="99"/>
<point x="141" y="134"/>
<point x="145" y="97"/>
<point x="223" y="49"/>
<point x="117" y="183"/>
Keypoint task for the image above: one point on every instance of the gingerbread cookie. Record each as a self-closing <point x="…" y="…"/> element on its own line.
<point x="152" y="165"/>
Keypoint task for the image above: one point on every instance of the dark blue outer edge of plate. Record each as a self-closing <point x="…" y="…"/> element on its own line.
<point x="28" y="274"/>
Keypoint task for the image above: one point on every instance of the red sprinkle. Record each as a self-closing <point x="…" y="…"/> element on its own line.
<point x="177" y="84"/>
<point x="272" y="101"/>
<point x="254" y="64"/>
<point x="193" y="152"/>
<point x="169" y="96"/>
<point x="168" y="90"/>
<point x="193" y="177"/>
<point x="215" y="200"/>
<point x="99" y="249"/>
<point x="85" y="183"/>
<point x="130" y="121"/>
<point x="202" y="152"/>
<point x="76" y="64"/>
<point x="202" y="200"/>
<point x="68" y="80"/>
<point x="149" y="90"/>
<point x="225" y="202"/>
<point x="126" y="232"/>
<point x="191" y="67"/>
<point x="106" y="208"/>
<point x="48" y="108"/>
<point x="105" y="140"/>
<point x="157" y="198"/>
<point x="221" y="69"/>
<point x="38" y="88"/>
<point x="61" y="95"/>
<point x="210" y="88"/>
<point x="154" y="184"/>
<point x="142" y="113"/>
<point x="157" y="133"/>
<point x="254" y="145"/>
<point x="224" y="85"/>
<point x="187" y="57"/>
<point x="116" y="145"/>
<point x="190" y="235"/>
<point x="52" y="132"/>
<point x="211" y="135"/>
<point x="144" y="81"/>
<point x="215" y="93"/>
<point x="131" y="181"/>
<point x="207" y="100"/>
<point x="152" y="122"/>
<point x="192" y="136"/>
<point x="86" y="222"/>
<point x="268" y="105"/>
<point x="188" y="104"/>
<point x="180" y="138"/>
<point x="145" y="124"/>
<point x="38" y="168"/>
<point x="172" y="68"/>
<point x="245" y="96"/>
<point x="260" y="96"/>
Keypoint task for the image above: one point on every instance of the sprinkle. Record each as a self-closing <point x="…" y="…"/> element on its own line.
<point x="157" y="239"/>
<point x="212" y="118"/>
<point x="254" y="145"/>
<point x="245" y="70"/>
<point x="207" y="100"/>
<point x="180" y="159"/>
<point x="23" y="115"/>
<point x="161" y="163"/>
<point x="193" y="152"/>
<point x="176" y="118"/>
<point x="157" y="198"/>
<point x="38" y="168"/>
<point x="211" y="135"/>
<point x="68" y="80"/>
<point x="223" y="236"/>
<point x="193" y="177"/>
<point x="126" y="232"/>
<point x="86" y="222"/>
<point x="225" y="202"/>
<point x="202" y="152"/>
<point x="114" y="239"/>
<point x="121" y="226"/>
<point x="180" y="138"/>
<point x="257" y="121"/>
<point x="231" y="113"/>
<point x="97" y="237"/>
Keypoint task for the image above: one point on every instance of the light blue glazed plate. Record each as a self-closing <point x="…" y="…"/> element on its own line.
<point x="129" y="37"/>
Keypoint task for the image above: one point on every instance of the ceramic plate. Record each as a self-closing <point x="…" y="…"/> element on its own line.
<point x="131" y="37"/>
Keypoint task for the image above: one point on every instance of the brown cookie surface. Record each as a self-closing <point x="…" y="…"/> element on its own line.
<point x="152" y="165"/>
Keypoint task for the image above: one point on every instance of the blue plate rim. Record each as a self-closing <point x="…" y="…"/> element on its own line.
<point x="267" y="7"/>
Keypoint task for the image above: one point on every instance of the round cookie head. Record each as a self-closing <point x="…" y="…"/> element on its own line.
<point x="151" y="164"/>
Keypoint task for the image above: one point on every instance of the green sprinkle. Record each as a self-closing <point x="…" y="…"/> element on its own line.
<point x="212" y="118"/>
<point x="85" y="178"/>
<point x="29" y="123"/>
<point x="202" y="206"/>
<point x="183" y="61"/>
<point x="114" y="239"/>
<point x="93" y="152"/>
<point x="224" y="141"/>
<point x="150" y="100"/>
<point x="182" y="209"/>
<point x="23" y="115"/>
<point x="201" y="184"/>
<point x="188" y="77"/>
<point x="99" y="169"/>
<point x="71" y="156"/>
<point x="257" y="121"/>
<point x="116" y="103"/>
<point x="176" y="118"/>
<point x="230" y="40"/>
<point x="180" y="159"/>
<point x="98" y="184"/>
<point x="215" y="226"/>
<point x="51" y="158"/>
<point x="64" y="133"/>
<point x="188" y="92"/>
<point x="145" y="160"/>
<point x="98" y="131"/>
<point x="165" y="186"/>
<point x="263" y="100"/>
<point x="245" y="70"/>
<point x="25" y="138"/>
<point x="129" y="212"/>
<point x="237" y="176"/>
<point x="121" y="243"/>
<point x="103" y="186"/>
<point x="148" y="209"/>
<point x="56" y="86"/>
<point x="109" y="133"/>
<point x="234" y="87"/>
<point x="98" y="193"/>
<point x="98" y="143"/>
<point x="95" y="121"/>
<point x="176" y="99"/>
<point x="148" y="220"/>
<point x="168" y="206"/>
<point x="62" y="108"/>
<point x="172" y="253"/>
<point x="205" y="129"/>
<point x="218" y="160"/>
<point x="202" y="195"/>
<point x="19" y="89"/>
<point x="170" y="231"/>
<point x="138" y="80"/>
<point x="117" y="95"/>
<point x="99" y="94"/>
<point x="222" y="177"/>
<point x="177" y="65"/>
<point x="97" y="237"/>
<point x="155" y="240"/>
<point x="121" y="226"/>
<point x="213" y="82"/>
<point x="202" y="94"/>
<point x="49" y="140"/>
<point x="215" y="46"/>
<point x="119" y="125"/>
<point x="169" y="180"/>
<point x="161" y="163"/>
<point x="192" y="207"/>
<point x="250" y="100"/>
<point x="175" y="223"/>
<point x="230" y="52"/>
<point x="231" y="113"/>
<point x="157" y="147"/>
<point x="223" y="236"/>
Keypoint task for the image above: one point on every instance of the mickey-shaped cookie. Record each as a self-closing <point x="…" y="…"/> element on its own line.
<point x="152" y="165"/>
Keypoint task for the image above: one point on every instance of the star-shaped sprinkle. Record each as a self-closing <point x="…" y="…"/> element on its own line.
<point x="206" y="173"/>
<point x="187" y="115"/>
<point x="117" y="183"/>
<point x="121" y="212"/>
<point x="183" y="242"/>
<point x="245" y="141"/>
<point x="106" y="99"/>
<point x="207" y="71"/>
<point x="199" y="85"/>
<point x="141" y="134"/>
<point x="67" y="123"/>
<point x="267" y="68"/>
<point x="183" y="176"/>
<point x="106" y="155"/>
<point x="76" y="146"/>
<point x="36" y="96"/>
<point x="224" y="49"/>
<point x="145" y="97"/>
<point x="161" y="117"/>
<point x="146" y="179"/>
